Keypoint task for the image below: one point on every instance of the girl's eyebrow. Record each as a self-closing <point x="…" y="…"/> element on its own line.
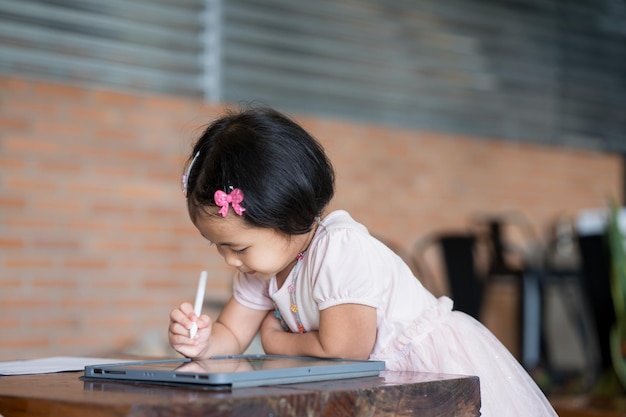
<point x="229" y="244"/>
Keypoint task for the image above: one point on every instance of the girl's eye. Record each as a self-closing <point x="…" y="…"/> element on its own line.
<point x="239" y="251"/>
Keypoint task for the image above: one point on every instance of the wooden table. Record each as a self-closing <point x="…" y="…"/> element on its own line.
<point x="392" y="394"/>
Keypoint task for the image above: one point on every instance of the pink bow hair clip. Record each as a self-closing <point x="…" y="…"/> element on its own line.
<point x="234" y="197"/>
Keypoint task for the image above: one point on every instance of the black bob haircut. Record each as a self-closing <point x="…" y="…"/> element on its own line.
<point x="286" y="178"/>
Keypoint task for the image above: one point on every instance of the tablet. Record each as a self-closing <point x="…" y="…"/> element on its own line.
<point x="237" y="371"/>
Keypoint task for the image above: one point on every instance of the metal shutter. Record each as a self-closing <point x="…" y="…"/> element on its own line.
<point x="153" y="45"/>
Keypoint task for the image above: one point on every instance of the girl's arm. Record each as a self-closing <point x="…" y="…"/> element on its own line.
<point x="230" y="334"/>
<point x="346" y="331"/>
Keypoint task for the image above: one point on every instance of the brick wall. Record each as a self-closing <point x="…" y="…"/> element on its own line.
<point x="95" y="244"/>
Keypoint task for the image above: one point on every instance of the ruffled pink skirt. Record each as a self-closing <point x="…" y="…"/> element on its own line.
<point x="452" y="342"/>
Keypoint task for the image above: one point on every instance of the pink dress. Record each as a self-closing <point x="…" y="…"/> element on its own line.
<point x="416" y="331"/>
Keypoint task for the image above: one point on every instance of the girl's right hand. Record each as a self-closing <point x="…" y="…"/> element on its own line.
<point x="181" y="320"/>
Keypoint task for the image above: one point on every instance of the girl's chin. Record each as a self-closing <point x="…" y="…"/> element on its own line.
<point x="262" y="275"/>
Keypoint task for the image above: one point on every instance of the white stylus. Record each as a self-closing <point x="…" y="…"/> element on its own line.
<point x="197" y="307"/>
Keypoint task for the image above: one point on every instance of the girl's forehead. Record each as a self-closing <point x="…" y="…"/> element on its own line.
<point x="231" y="229"/>
<point x="218" y="225"/>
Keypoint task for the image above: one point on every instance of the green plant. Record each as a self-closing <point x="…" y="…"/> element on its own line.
<point x="618" y="291"/>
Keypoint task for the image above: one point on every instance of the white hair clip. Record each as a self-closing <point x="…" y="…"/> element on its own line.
<point x="187" y="171"/>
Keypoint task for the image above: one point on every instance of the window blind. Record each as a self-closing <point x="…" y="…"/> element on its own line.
<point x="154" y="45"/>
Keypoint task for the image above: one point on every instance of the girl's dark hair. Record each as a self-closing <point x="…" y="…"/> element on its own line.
<point x="284" y="173"/>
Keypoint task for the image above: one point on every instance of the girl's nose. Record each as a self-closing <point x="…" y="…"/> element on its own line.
<point x="232" y="260"/>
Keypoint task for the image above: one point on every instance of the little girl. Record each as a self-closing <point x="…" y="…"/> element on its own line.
<point x="318" y="284"/>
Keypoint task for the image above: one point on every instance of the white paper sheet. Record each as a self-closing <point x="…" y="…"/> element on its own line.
<point x="53" y="364"/>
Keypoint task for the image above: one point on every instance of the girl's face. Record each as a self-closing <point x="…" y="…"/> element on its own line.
<point x="253" y="250"/>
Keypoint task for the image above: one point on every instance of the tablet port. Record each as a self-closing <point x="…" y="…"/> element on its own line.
<point x="190" y="376"/>
<point x="112" y="372"/>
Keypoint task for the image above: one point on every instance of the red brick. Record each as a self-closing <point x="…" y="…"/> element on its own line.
<point x="123" y="209"/>
<point x="65" y="167"/>
<point x="141" y="227"/>
<point x="88" y="226"/>
<point x="136" y="303"/>
<point x="115" y="99"/>
<point x="91" y="155"/>
<point x="47" y="322"/>
<point x="168" y="212"/>
<point x="80" y="187"/>
<point x="69" y="207"/>
<point x="112" y="246"/>
<point x="13" y="123"/>
<point x="17" y="345"/>
<point x="8" y="325"/>
<point x="112" y="134"/>
<point x="161" y="284"/>
<point x="25" y="222"/>
<point x="110" y="284"/>
<point x="11" y="163"/>
<point x="162" y="247"/>
<point x="61" y="284"/>
<point x="24" y="304"/>
<point x="137" y="265"/>
<point x="10" y="85"/>
<point x="85" y="264"/>
<point x="11" y="243"/>
<point x="30" y="262"/>
<point x="9" y="282"/>
<point x="78" y="342"/>
<point x="139" y="155"/>
<point x="44" y="109"/>
<point x="186" y="230"/>
<point x="109" y="321"/>
<point x="123" y="172"/>
<point x="30" y="185"/>
<point x="61" y="132"/>
<point x="95" y="115"/>
<point x="27" y="144"/>
<point x="54" y="90"/>
<point x="84" y="303"/>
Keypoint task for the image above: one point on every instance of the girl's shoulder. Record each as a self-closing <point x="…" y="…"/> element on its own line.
<point x="338" y="230"/>
<point x="341" y="219"/>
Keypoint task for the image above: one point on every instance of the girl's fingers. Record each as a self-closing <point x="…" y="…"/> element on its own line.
<point x="178" y="318"/>
<point x="203" y="321"/>
<point x="181" y="320"/>
<point x="179" y="329"/>
<point x="186" y="308"/>
<point x="183" y="315"/>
